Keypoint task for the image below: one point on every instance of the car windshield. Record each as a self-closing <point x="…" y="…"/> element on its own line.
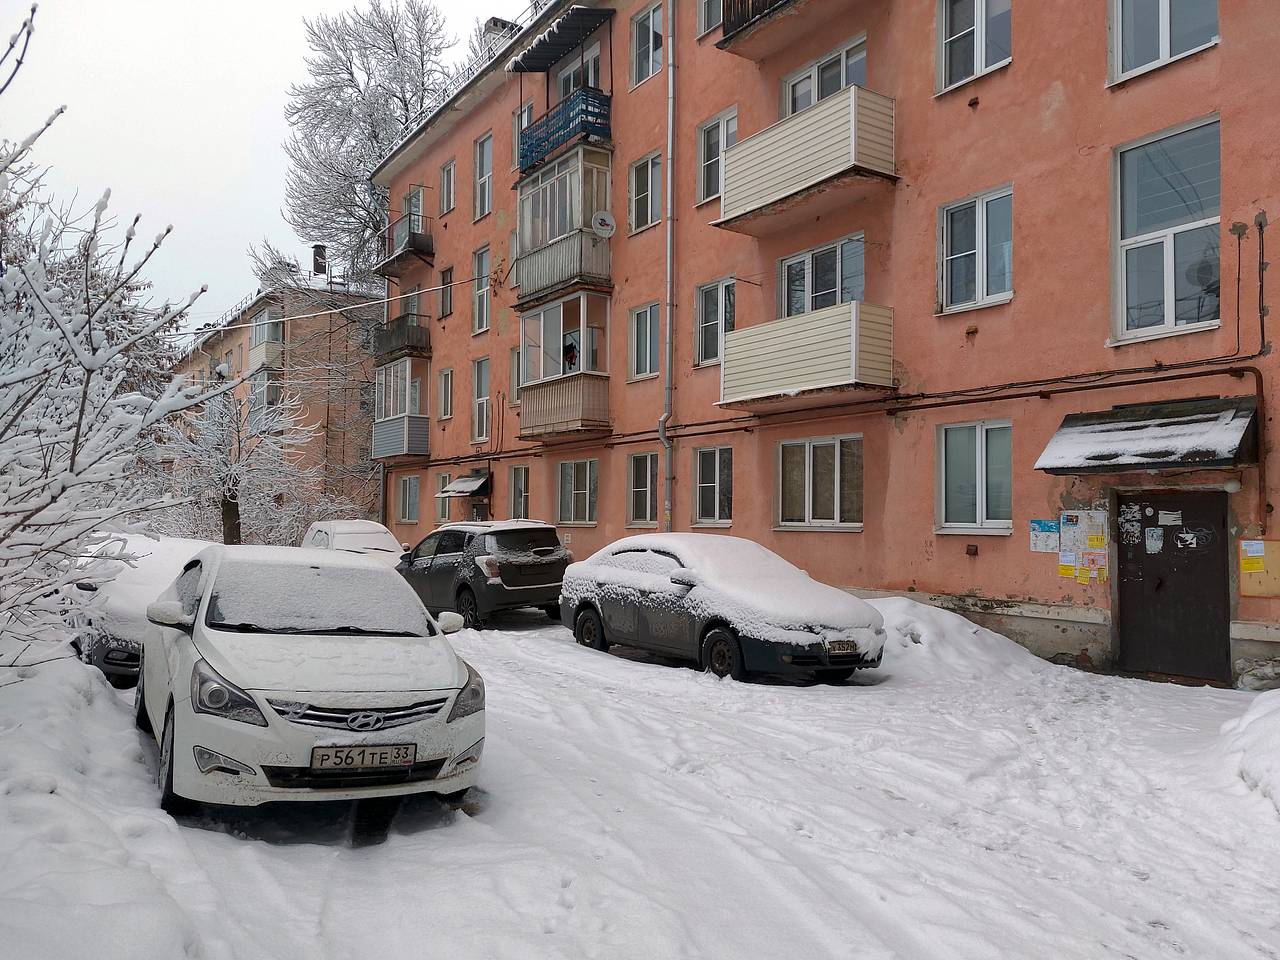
<point x="280" y="597"/>
<point x="381" y="542"/>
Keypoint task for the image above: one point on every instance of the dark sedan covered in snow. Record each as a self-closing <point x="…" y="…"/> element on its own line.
<point x="729" y="604"/>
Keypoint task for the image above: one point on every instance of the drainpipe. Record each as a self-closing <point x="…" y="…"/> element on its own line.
<point x="668" y="346"/>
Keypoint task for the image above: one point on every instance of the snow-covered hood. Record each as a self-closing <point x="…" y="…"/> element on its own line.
<point x="299" y="663"/>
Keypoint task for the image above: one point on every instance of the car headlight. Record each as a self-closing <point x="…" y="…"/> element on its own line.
<point x="217" y="697"/>
<point x="471" y="699"/>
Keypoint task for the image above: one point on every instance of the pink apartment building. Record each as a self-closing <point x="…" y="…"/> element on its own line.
<point x="924" y="295"/>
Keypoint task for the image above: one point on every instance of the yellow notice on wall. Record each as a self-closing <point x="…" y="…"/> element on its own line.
<point x="1097" y="541"/>
<point x="1083" y="576"/>
<point x="1253" y="564"/>
<point x="1067" y="570"/>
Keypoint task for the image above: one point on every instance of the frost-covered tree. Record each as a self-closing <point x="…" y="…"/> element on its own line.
<point x="75" y="407"/>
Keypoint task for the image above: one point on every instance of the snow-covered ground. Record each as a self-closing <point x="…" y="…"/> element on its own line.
<point x="965" y="801"/>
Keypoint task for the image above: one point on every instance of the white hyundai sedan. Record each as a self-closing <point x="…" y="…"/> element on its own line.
<point x="274" y="673"/>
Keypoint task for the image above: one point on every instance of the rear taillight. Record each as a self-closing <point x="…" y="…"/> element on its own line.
<point x="488" y="566"/>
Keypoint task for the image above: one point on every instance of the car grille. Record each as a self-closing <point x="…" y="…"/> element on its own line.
<point x="336" y="717"/>
<point x="306" y="778"/>
<point x="832" y="660"/>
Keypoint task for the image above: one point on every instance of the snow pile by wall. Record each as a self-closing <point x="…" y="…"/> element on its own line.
<point x="72" y="885"/>
<point x="1253" y="743"/>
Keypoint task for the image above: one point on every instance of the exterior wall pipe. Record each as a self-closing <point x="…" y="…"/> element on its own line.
<point x="668" y="346"/>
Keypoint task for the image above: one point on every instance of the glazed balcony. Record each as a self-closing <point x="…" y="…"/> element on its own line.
<point x="406" y="243"/>
<point x="797" y="362"/>
<point x="834" y="153"/>
<point x="408" y="335"/>
<point x="266" y="355"/>
<point x="578" y="259"/>
<point x="565" y="408"/>
<point x="757" y="29"/>
<point x="407" y="435"/>
<point x="584" y="113"/>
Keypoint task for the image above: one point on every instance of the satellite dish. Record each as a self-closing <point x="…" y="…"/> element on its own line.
<point x="603" y="225"/>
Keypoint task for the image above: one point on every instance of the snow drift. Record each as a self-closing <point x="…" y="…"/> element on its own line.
<point x="1253" y="742"/>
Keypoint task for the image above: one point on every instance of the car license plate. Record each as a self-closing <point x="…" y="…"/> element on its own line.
<point x="371" y="756"/>
<point x="842" y="646"/>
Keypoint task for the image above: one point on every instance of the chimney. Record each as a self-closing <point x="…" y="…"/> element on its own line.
<point x="496" y="30"/>
<point x="319" y="259"/>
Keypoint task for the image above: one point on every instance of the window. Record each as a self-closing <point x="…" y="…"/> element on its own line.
<point x="643" y="502"/>
<point x="713" y="483"/>
<point x="823" y="78"/>
<point x="583" y="70"/>
<point x="646" y="192"/>
<point x="411" y="304"/>
<point x="578" y="487"/>
<point x="268" y="327"/>
<point x="710" y="13"/>
<point x="226" y="362"/>
<point x="552" y="340"/>
<point x="484" y="175"/>
<point x="445" y="384"/>
<point x="480" y="291"/>
<point x="264" y="392"/>
<point x="716" y="308"/>
<point x="821" y="278"/>
<point x="519" y="493"/>
<point x="976" y="483"/>
<point x="645" y="325"/>
<point x="514" y="399"/>
<point x="442" y="503"/>
<point x="1149" y="33"/>
<point x="393" y="391"/>
<point x="446" y="187"/>
<point x="1169" y="224"/>
<point x="646" y="46"/>
<point x="520" y="120"/>
<point x="714" y="137"/>
<point x="820" y="482"/>
<point x="562" y="197"/>
<point x="409" y="499"/>
<point x="975" y="37"/>
<point x="446" y="291"/>
<point x="480" y="399"/>
<point x="977" y="250"/>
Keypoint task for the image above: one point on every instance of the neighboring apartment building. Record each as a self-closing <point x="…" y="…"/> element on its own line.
<point x="924" y="295"/>
<point x="293" y="339"/>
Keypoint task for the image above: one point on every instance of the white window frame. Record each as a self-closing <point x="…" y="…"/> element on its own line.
<point x="1120" y="333"/>
<point x="806" y="257"/>
<point x="649" y="490"/>
<point x="483" y="181"/>
<point x="549" y="320"/>
<point x="442" y="503"/>
<point x="652" y="64"/>
<point x="979" y="46"/>
<point x="851" y="50"/>
<point x="448" y="174"/>
<point x="480" y="290"/>
<point x="652" y="314"/>
<point x="577" y="60"/>
<point x="444" y="389"/>
<point x="809" y="522"/>
<point x="521" y="118"/>
<point x="446" y="292"/>
<point x="267" y="327"/>
<point x="592" y="467"/>
<point x="392" y="389"/>
<point x="1164" y="57"/>
<point x="982" y="298"/>
<point x="714" y="483"/>
<point x="516" y="373"/>
<point x="721" y="286"/>
<point x="726" y="123"/>
<point x="480" y="402"/>
<point x="520" y="492"/>
<point x="984" y="525"/>
<point x="705" y="23"/>
<point x="409" y="490"/>
<point x="653" y="173"/>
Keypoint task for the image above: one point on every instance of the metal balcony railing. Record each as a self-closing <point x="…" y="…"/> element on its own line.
<point x="408" y="334"/>
<point x="585" y="112"/>
<point x="407" y="235"/>
<point x="741" y="13"/>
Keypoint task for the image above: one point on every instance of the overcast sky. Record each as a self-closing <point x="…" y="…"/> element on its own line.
<point x="178" y="107"/>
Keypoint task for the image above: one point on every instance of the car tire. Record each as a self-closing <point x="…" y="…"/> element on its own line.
<point x="469" y="607"/>
<point x="588" y="630"/>
<point x="170" y="802"/>
<point x="722" y="654"/>
<point x="140" y="718"/>
<point x="552" y="610"/>
<point x="834" y="676"/>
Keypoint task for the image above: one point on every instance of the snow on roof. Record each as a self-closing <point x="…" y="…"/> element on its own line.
<point x="465" y="486"/>
<point x="303" y="556"/>
<point x="490" y="526"/>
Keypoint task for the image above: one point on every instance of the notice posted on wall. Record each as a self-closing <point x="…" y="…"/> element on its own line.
<point x="1044" y="536"/>
<point x="1082" y="545"/>
<point x="1253" y="556"/>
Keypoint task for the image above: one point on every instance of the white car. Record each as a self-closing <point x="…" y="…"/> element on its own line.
<point x="279" y="673"/>
<point x="356" y="536"/>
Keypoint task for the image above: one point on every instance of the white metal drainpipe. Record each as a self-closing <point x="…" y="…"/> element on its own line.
<point x="668" y="347"/>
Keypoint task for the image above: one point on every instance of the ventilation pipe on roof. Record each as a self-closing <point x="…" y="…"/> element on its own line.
<point x="668" y="346"/>
<point x="319" y="259"/>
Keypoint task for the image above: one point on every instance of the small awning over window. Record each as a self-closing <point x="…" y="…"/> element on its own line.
<point x="472" y="485"/>
<point x="1186" y="434"/>
<point x="560" y="39"/>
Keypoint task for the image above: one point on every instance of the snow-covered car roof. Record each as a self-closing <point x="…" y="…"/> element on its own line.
<point x="352" y="526"/>
<point x="252" y="553"/>
<point x="119" y="606"/>
<point x="494" y="526"/>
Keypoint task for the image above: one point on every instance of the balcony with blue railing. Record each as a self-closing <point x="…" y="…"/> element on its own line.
<point x="584" y="113"/>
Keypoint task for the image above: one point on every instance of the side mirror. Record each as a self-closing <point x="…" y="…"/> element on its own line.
<point x="685" y="578"/>
<point x="169" y="613"/>
<point x="87" y="586"/>
<point x="450" y="622"/>
<point x="404" y="547"/>
<point x="406" y="557"/>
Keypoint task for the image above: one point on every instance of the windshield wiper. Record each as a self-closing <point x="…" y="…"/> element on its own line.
<point x="361" y="631"/>
<point x="237" y="627"/>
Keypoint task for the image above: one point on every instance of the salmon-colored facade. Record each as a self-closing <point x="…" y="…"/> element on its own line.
<point x="993" y="241"/>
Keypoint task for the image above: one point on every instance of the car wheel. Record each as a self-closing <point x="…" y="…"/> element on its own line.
<point x="140" y="718"/>
<point x="722" y="654"/>
<point x="552" y="610"/>
<point x="170" y="802"/>
<point x="470" y="609"/>
<point x="589" y="631"/>
<point x="834" y="676"/>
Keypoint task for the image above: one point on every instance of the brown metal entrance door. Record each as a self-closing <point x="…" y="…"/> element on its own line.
<point x="1172" y="573"/>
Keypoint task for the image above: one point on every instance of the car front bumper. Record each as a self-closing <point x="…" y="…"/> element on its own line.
<point x="784" y="659"/>
<point x="114" y="657"/>
<point x="275" y="760"/>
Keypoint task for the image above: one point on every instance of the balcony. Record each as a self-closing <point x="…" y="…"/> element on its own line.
<point x="834" y="153"/>
<point x="407" y="435"/>
<point x="757" y="29"/>
<point x="584" y="113"/>
<point x="408" y="335"/>
<point x="268" y="354"/>
<point x="407" y="242"/>
<point x="565" y="408"/>
<point x="797" y="362"/>
<point x="578" y="259"/>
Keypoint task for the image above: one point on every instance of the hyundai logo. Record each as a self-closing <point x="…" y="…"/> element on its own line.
<point x="365" y="721"/>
